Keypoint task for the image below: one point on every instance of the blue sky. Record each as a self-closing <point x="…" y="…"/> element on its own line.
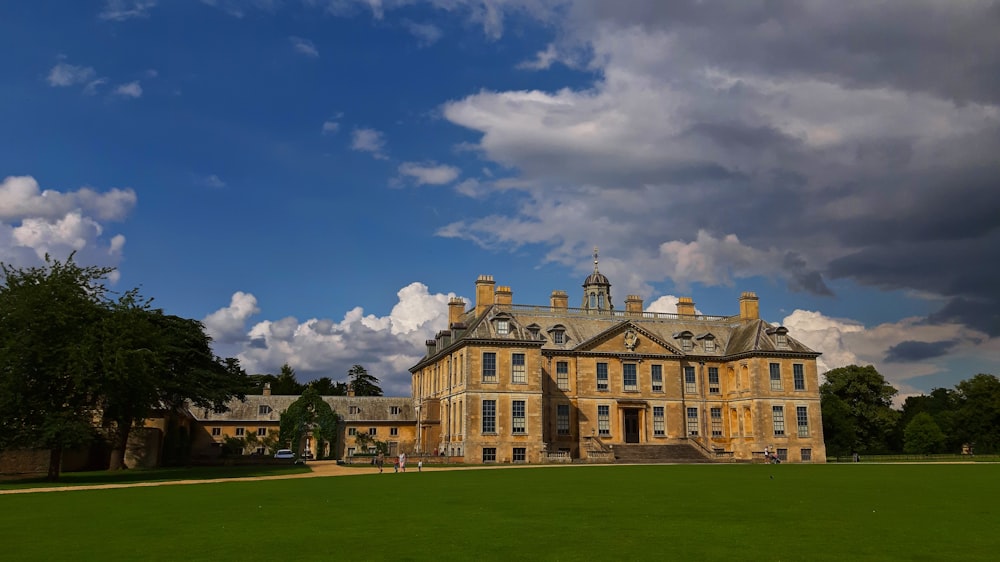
<point x="315" y="178"/>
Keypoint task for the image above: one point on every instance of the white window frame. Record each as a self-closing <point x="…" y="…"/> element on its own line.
<point x="692" y="422"/>
<point x="659" y="423"/>
<point x="604" y="420"/>
<point x="562" y="375"/>
<point x="778" y="420"/>
<point x="716" y="416"/>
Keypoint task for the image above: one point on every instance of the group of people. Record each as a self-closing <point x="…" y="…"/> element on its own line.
<point x="399" y="464"/>
<point x="770" y="456"/>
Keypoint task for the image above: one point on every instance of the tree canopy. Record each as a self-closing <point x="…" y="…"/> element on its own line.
<point x="308" y="413"/>
<point x="363" y="383"/>
<point x="75" y="364"/>
<point x="857" y="409"/>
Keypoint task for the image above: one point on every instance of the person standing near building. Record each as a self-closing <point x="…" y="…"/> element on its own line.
<point x="380" y="460"/>
<point x="402" y="462"/>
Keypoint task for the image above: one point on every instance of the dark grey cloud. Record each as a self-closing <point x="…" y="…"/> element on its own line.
<point x="909" y="351"/>
<point x="947" y="49"/>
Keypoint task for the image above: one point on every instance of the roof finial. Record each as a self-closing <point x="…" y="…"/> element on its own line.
<point x="595" y="259"/>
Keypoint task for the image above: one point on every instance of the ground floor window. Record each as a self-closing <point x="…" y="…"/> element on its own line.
<point x="489" y="454"/>
<point x="806" y="454"/>
<point x="604" y="420"/>
<point x="520" y="454"/>
<point x="260" y="451"/>
<point x="350" y="451"/>
<point x="562" y="419"/>
<point x="659" y="428"/>
<point x="783" y="455"/>
<point x="216" y="431"/>
<point x="394" y="431"/>
<point x="692" y="421"/>
<point x="716" y="422"/>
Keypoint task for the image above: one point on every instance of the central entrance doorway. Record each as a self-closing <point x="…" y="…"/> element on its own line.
<point x="631" y="425"/>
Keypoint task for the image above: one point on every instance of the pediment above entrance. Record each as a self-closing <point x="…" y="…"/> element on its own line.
<point x="628" y="338"/>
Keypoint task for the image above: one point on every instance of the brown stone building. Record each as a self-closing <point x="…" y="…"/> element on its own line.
<point x="517" y="383"/>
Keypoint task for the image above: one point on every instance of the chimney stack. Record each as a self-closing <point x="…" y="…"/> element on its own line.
<point x="559" y="300"/>
<point x="504" y="296"/>
<point x="633" y="305"/>
<point x="749" y="306"/>
<point x="456" y="307"/>
<point x="685" y="306"/>
<point x="267" y="389"/>
<point x="484" y="293"/>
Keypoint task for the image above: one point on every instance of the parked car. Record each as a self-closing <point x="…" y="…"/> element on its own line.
<point x="284" y="454"/>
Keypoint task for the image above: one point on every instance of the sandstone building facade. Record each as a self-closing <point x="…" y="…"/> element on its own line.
<point x="505" y="382"/>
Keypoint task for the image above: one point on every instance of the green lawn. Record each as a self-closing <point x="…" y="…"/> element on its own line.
<point x="153" y="475"/>
<point x="730" y="512"/>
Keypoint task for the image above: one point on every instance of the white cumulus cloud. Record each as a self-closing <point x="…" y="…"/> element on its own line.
<point x="369" y="140"/>
<point x="228" y="324"/>
<point x="130" y="90"/>
<point x="430" y="173"/>
<point x="304" y="47"/>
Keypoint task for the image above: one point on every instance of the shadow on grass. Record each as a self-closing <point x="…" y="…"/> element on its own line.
<point x="154" y="475"/>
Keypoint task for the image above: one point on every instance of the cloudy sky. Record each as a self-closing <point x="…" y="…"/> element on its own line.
<point x="315" y="178"/>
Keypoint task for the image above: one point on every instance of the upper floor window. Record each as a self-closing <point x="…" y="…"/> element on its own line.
<point x="656" y="376"/>
<point x="602" y="376"/>
<point x="533" y="329"/>
<point x="352" y="431"/>
<point x="559" y="337"/>
<point x="263" y="410"/>
<point x="707" y="342"/>
<point x="262" y="431"/>
<point x="489" y="366"/>
<point x="778" y="419"/>
<point x="562" y="375"/>
<point x="394" y="410"/>
<point x="503" y="327"/>
<point x="713" y="380"/>
<point x="799" y="376"/>
<point x="629" y="378"/>
<point x="240" y="431"/>
<point x="354" y="410"/>
<point x="372" y="431"/>
<point x="394" y="431"/>
<point x="690" y="380"/>
<point x="780" y="336"/>
<point x="517" y="368"/>
<point x="775" y="376"/>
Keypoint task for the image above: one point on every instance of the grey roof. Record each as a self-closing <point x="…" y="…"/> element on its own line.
<point x="585" y="329"/>
<point x="366" y="409"/>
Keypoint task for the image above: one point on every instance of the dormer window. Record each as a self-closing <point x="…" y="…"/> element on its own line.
<point x="707" y="342"/>
<point x="685" y="339"/>
<point x="503" y="327"/>
<point x="558" y="334"/>
<point x="533" y="329"/>
<point x="263" y="410"/>
<point x="780" y="336"/>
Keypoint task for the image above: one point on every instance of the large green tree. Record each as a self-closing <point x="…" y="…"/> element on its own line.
<point x="860" y="399"/>
<point x="977" y="416"/>
<point x="309" y="414"/>
<point x="923" y="436"/>
<point x="363" y="383"/>
<point x="48" y="366"/>
<point x="153" y="360"/>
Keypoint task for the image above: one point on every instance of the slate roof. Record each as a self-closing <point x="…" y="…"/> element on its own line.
<point x="367" y="409"/>
<point x="585" y="329"/>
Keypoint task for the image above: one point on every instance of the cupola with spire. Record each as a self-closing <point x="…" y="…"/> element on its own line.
<point x="597" y="290"/>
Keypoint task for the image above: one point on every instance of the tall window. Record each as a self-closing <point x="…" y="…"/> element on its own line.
<point x="519" y="454"/>
<point x="562" y="419"/>
<point x="775" y="376"/>
<point x="716" y="414"/>
<point x="713" y="380"/>
<point x="489" y="454"/>
<point x="629" y="377"/>
<point x="517" y="368"/>
<point x="802" y="419"/>
<point x="778" y="418"/>
<point x="489" y="416"/>
<point x="602" y="376"/>
<point x="489" y="367"/>
<point x="658" y="425"/>
<point x="692" y="421"/>
<point x="517" y="416"/>
<point x="604" y="420"/>
<point x="656" y="377"/>
<point x="562" y="375"/>
<point x="799" y="376"/>
<point x="690" y="381"/>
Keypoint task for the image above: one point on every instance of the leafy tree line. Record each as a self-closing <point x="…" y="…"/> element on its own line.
<point x="286" y="383"/>
<point x="77" y="365"/>
<point x="858" y="415"/>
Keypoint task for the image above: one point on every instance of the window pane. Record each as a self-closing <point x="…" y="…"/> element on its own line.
<point x="562" y="419"/>
<point x="517" y="367"/>
<point x="690" y="380"/>
<point x="802" y="419"/>
<point x="656" y="375"/>
<point x="775" y="376"/>
<point x="629" y="377"/>
<point x="489" y="416"/>
<point x="604" y="420"/>
<point x="778" y="416"/>
<point x="489" y="367"/>
<point x="562" y="375"/>
<point x="800" y="377"/>
<point x="692" y="421"/>
<point x="517" y="416"/>
<point x="658" y="425"/>
<point x="602" y="376"/>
